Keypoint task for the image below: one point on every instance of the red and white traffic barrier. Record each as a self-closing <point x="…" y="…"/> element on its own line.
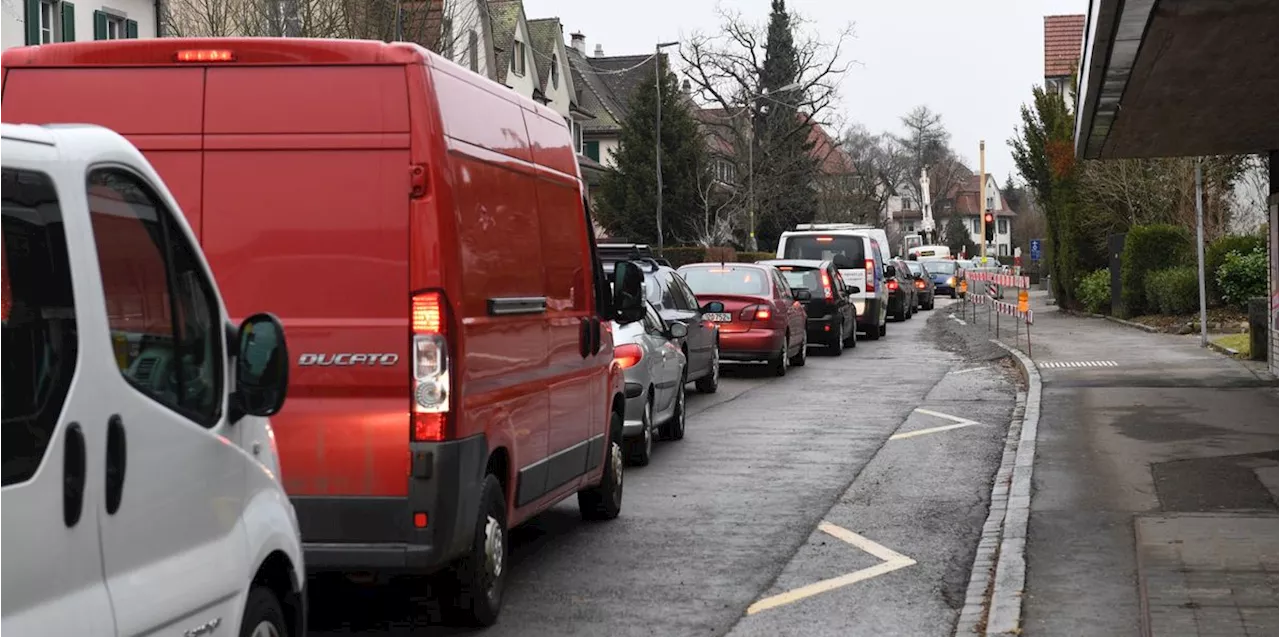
<point x="1003" y="280"/>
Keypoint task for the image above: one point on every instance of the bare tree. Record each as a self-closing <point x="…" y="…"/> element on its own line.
<point x="879" y="167"/>
<point x="720" y="214"/>
<point x="1250" y="195"/>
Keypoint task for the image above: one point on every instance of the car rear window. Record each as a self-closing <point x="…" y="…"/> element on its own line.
<point x="727" y="279"/>
<point x="798" y="277"/>
<point x="941" y="267"/>
<point x="915" y="267"/>
<point x="39" y="317"/>
<point x="825" y="247"/>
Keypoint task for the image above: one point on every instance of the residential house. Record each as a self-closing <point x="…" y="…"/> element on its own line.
<point x="514" y="64"/>
<point x="1063" y="41"/>
<point x="605" y="85"/>
<point x="559" y="90"/>
<point x="24" y="22"/>
<point x="964" y="200"/>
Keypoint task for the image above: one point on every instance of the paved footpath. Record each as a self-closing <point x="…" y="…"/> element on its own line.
<point x="1153" y="507"/>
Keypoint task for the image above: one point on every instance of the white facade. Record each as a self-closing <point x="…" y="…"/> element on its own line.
<point x="115" y="18"/>
<point x="608" y="146"/>
<point x="522" y="73"/>
<point x="464" y="34"/>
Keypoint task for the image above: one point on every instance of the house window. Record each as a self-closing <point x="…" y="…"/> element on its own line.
<point x="726" y="172"/>
<point x="48" y="26"/>
<point x="1002" y="226"/>
<point x="909" y="226"/>
<point x="107" y="26"/>
<point x="517" y="58"/>
<point x="591" y="149"/>
<point x="991" y="203"/>
<point x="907" y="204"/>
<point x="977" y="225"/>
<point x="575" y="129"/>
<point x="1004" y="249"/>
<point x="555" y="71"/>
<point x="473" y="52"/>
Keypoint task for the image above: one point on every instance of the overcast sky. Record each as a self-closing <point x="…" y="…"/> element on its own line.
<point x="972" y="61"/>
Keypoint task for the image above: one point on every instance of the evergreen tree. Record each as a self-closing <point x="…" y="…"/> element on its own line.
<point x="956" y="236"/>
<point x="784" y="164"/>
<point x="628" y="195"/>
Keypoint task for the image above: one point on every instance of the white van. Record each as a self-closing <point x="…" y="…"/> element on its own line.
<point x="141" y="492"/>
<point x="857" y="256"/>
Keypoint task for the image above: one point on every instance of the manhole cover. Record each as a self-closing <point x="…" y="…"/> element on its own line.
<point x="1075" y="364"/>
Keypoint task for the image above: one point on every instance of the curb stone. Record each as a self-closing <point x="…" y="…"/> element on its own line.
<point x="993" y="600"/>
<point x="1223" y="349"/>
<point x="1145" y="328"/>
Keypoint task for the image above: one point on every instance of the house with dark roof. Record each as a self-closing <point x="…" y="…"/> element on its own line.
<point x="514" y="64"/>
<point x="1063" y="41"/>
<point x="605" y="85"/>
<point x="963" y="199"/>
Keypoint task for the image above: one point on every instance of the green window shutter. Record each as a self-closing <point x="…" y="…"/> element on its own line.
<point x="99" y="25"/>
<point x="31" y="20"/>
<point x="68" y="22"/>
<point x="131" y="29"/>
<point x="592" y="150"/>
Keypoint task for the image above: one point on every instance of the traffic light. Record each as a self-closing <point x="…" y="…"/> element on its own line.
<point x="990" y="221"/>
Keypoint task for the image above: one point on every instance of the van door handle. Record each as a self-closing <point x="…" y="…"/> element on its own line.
<point x="117" y="458"/>
<point x="73" y="475"/>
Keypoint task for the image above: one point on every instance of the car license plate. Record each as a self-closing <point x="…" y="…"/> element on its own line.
<point x="718" y="317"/>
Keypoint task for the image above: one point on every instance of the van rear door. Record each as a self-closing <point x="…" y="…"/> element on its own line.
<point x="156" y="109"/>
<point x="307" y="216"/>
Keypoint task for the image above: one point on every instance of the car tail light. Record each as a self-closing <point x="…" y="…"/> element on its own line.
<point x="628" y="355"/>
<point x="755" y="313"/>
<point x="893" y="285"/>
<point x="430" y="368"/>
<point x="826" y="286"/>
<point x="920" y="284"/>
<point x="871" y="275"/>
<point x="204" y="55"/>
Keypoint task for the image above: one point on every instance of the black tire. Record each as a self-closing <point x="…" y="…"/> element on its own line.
<point x="711" y="382"/>
<point x="884" y="330"/>
<point x="932" y="300"/>
<point x="640" y="449"/>
<point x="801" y="356"/>
<point x="852" y="341"/>
<point x="262" y="607"/>
<point x="604" y="501"/>
<point x="781" y="360"/>
<point x="480" y="580"/>
<point x="873" y="333"/>
<point x="836" y="345"/>
<point x="674" y="429"/>
<point x="954" y="294"/>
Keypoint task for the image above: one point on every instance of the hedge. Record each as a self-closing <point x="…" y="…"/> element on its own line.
<point x="1173" y="291"/>
<point x="1216" y="254"/>
<point x="1147" y="249"/>
<point x="684" y="255"/>
<point x="1243" y="276"/>
<point x="1094" y="291"/>
<point x="752" y="257"/>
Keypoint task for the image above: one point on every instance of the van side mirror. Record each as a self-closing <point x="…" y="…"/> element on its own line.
<point x="262" y="368"/>
<point x="676" y="329"/>
<point x="713" y="307"/>
<point x="628" y="292"/>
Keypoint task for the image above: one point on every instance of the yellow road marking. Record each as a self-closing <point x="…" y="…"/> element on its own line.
<point x="893" y="561"/>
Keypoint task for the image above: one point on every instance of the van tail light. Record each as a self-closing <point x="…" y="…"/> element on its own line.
<point x="628" y="355"/>
<point x="871" y="275"/>
<point x="755" y="313"/>
<point x="826" y="286"/>
<point x="430" y="369"/>
<point x="892" y="285"/>
<point x="204" y="55"/>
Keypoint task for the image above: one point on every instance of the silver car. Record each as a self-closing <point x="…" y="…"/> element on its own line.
<point x="656" y="372"/>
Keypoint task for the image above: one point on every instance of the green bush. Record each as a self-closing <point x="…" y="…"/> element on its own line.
<point x="684" y="255"/>
<point x="1243" y="276"/>
<point x="1216" y="254"/>
<point x="1149" y="248"/>
<point x="1094" y="291"/>
<point x="1173" y="291"/>
<point x="752" y="257"/>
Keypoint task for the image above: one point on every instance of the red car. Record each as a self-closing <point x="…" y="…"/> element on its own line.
<point x="763" y="318"/>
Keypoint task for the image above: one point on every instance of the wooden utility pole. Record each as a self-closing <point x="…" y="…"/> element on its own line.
<point x="982" y="198"/>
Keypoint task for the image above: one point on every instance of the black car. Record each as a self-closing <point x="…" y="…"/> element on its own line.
<point x="923" y="282"/>
<point x="902" y="290"/>
<point x="667" y="291"/>
<point x="832" y="317"/>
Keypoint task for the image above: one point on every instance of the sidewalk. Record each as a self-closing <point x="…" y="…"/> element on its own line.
<point x="1153" y="508"/>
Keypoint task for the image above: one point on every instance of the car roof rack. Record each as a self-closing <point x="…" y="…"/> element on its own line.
<point x="833" y="226"/>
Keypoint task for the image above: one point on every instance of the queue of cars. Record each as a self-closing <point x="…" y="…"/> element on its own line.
<point x="444" y="383"/>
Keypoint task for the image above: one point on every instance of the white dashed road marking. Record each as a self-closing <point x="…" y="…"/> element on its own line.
<point x="891" y="561"/>
<point x="971" y="369"/>
<point x="1076" y="364"/>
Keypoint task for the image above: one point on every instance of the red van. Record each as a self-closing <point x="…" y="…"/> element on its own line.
<point x="422" y="233"/>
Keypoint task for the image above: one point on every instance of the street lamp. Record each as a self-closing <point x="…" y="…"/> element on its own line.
<point x="657" y="131"/>
<point x="751" y="169"/>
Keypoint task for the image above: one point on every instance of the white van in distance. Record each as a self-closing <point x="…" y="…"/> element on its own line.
<point x="141" y="492"/>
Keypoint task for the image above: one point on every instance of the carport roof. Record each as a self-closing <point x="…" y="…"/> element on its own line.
<point x="1169" y="78"/>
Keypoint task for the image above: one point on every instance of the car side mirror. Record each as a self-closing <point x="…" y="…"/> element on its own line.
<point x="676" y="329"/>
<point x="853" y="289"/>
<point x="890" y="271"/>
<point x="262" y="368"/>
<point x="628" y="288"/>
<point x="712" y="307"/>
<point x="801" y="294"/>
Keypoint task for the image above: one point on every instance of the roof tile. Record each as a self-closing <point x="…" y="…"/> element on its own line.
<point x="1063" y="39"/>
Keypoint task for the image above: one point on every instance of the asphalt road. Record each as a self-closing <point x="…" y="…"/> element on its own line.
<point x="730" y="515"/>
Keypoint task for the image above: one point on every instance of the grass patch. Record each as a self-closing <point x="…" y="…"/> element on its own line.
<point x="1237" y="342"/>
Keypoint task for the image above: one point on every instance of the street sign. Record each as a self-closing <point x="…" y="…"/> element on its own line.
<point x="1035" y="249"/>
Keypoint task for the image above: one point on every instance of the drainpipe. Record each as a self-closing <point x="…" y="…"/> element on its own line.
<point x="159" y="18"/>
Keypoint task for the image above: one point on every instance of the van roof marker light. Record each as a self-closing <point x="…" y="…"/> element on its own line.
<point x="204" y="55"/>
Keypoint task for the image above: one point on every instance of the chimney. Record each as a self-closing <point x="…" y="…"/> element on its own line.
<point x="599" y="50"/>
<point x="579" y="43"/>
<point x="684" y="86"/>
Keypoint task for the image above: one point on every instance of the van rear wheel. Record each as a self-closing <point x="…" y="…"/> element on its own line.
<point x="263" y="615"/>
<point x="481" y="575"/>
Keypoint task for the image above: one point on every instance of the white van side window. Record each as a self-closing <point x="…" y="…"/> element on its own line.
<point x="160" y="306"/>
<point x="39" y="315"/>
